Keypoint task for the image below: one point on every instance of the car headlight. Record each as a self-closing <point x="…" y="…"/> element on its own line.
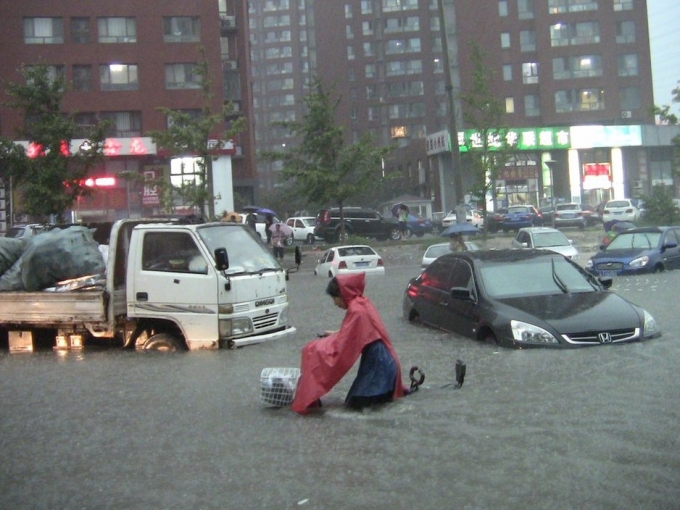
<point x="530" y="334"/>
<point x="236" y="326"/>
<point x="639" y="262"/>
<point x="651" y="327"/>
<point x="589" y="264"/>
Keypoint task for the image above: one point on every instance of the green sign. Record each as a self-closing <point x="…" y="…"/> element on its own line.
<point x="522" y="139"/>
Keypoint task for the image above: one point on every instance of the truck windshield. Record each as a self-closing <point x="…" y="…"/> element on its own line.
<point x="246" y="252"/>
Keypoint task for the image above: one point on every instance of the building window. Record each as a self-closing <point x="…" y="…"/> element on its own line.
<point x="366" y="6"/>
<point x="369" y="70"/>
<point x="509" y="105"/>
<point x="630" y="98"/>
<point x="182" y="76"/>
<point x="191" y="115"/>
<point x="117" y="30"/>
<point x="85" y="123"/>
<point x="181" y="29"/>
<point x="527" y="40"/>
<point x="371" y="92"/>
<point x="349" y="32"/>
<point x="525" y="9"/>
<point x="82" y="78"/>
<point x="80" y="30"/>
<point x="367" y="28"/>
<point x="369" y="49"/>
<point x="579" y="100"/>
<point x="507" y="72"/>
<point x="350" y="53"/>
<point x="628" y="64"/>
<point x="532" y="106"/>
<point x="623" y="5"/>
<point x="585" y="66"/>
<point x="123" y="124"/>
<point x="529" y="73"/>
<point x="503" y="8"/>
<point x="348" y="11"/>
<point x="43" y="31"/>
<point x="54" y="73"/>
<point x="118" y="77"/>
<point x="505" y="40"/>
<point x="573" y="34"/>
<point x="625" y="32"/>
<point x="562" y="6"/>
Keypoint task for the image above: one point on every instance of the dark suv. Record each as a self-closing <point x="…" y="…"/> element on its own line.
<point x="359" y="221"/>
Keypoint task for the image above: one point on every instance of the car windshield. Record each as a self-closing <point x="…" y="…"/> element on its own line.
<point x="246" y="252"/>
<point x="355" y="250"/>
<point x="548" y="239"/>
<point x="639" y="240"/>
<point x="533" y="277"/>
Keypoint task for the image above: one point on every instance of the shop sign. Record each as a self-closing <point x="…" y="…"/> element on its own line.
<point x="521" y="139"/>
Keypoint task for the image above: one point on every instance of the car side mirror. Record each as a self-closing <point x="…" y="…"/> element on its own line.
<point x="605" y="282"/>
<point x="525" y="245"/>
<point x="221" y="259"/>
<point x="669" y="245"/>
<point x="462" y="293"/>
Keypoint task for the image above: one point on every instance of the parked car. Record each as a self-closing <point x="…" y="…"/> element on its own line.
<point x="638" y="250"/>
<point x="494" y="220"/>
<point x="472" y="216"/>
<point x="26" y="231"/>
<point x="519" y="216"/>
<point x="303" y="229"/>
<point x="568" y="215"/>
<point x="621" y="210"/>
<point x="437" y="250"/>
<point x="415" y="226"/>
<point x="590" y="214"/>
<point x="523" y="298"/>
<point x="350" y="259"/>
<point x="546" y="214"/>
<point x="545" y="238"/>
<point x="437" y="218"/>
<point x="359" y="221"/>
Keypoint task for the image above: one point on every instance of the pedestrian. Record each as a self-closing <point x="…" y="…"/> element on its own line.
<point x="403" y="219"/>
<point x="457" y="243"/>
<point x="251" y="220"/>
<point x="362" y="333"/>
<point x="278" y="239"/>
<point x="268" y="222"/>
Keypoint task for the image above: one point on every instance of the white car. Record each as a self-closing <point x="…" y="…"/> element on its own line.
<point x="435" y="251"/>
<point x="350" y="259"/>
<point x="620" y="210"/>
<point x="546" y="238"/>
<point x="472" y="216"/>
<point x="303" y="229"/>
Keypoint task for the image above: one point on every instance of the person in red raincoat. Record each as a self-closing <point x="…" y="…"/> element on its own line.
<point x="325" y="361"/>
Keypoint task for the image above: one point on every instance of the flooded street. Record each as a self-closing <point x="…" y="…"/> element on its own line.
<point x="588" y="428"/>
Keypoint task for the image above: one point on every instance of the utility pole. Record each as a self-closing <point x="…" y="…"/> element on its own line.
<point x="448" y="83"/>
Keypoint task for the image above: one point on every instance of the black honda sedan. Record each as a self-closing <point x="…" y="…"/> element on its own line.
<point x="523" y="298"/>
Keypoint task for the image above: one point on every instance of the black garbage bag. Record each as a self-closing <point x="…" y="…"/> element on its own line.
<point x="10" y="251"/>
<point x="60" y="255"/>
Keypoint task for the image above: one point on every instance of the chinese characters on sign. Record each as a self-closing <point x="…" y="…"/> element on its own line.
<point x="150" y="193"/>
<point x="517" y="139"/>
<point x="438" y="142"/>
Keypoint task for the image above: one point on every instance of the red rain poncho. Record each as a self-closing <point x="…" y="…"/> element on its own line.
<point x="327" y="360"/>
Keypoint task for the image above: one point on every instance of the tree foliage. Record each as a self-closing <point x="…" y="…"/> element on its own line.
<point x="50" y="175"/>
<point x="200" y="136"/>
<point x="323" y="167"/>
<point x="484" y="112"/>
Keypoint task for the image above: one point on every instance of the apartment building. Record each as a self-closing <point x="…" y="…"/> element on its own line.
<point x="123" y="61"/>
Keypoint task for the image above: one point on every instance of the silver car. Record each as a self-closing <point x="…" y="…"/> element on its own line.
<point x="545" y="238"/>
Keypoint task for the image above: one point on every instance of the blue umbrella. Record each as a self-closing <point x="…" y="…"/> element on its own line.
<point x="264" y="210"/>
<point x="460" y="228"/>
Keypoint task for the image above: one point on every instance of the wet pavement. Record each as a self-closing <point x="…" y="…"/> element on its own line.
<point x="541" y="429"/>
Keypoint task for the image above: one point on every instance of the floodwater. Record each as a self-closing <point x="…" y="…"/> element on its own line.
<point x="592" y="428"/>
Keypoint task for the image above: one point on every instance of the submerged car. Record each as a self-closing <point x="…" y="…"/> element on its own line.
<point x="546" y="238"/>
<point x="437" y="250"/>
<point x="519" y="216"/>
<point x="523" y="298"/>
<point x="636" y="251"/>
<point x="350" y="259"/>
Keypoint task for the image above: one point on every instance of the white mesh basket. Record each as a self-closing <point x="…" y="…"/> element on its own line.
<point x="278" y="386"/>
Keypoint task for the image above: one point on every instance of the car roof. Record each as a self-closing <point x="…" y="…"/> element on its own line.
<point x="504" y="255"/>
<point x="538" y="230"/>
<point x="639" y="230"/>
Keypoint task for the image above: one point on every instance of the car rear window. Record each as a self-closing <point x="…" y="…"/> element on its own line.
<point x="618" y="203"/>
<point x="513" y="210"/>
<point x="567" y="207"/>
<point x="355" y="250"/>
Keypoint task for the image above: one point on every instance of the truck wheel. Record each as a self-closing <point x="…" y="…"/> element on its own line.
<point x="163" y="342"/>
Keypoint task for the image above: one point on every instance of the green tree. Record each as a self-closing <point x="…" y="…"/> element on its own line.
<point x="323" y="167"/>
<point x="50" y="175"/>
<point x="200" y="136"/>
<point x="484" y="112"/>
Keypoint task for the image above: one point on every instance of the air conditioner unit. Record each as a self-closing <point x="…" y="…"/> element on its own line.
<point x="626" y="114"/>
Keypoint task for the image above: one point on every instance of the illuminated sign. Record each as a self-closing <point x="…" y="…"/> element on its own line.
<point x="137" y="146"/>
<point x="597" y="176"/>
<point x="100" y="182"/>
<point x="521" y="139"/>
<point x="588" y="137"/>
<point x="437" y="143"/>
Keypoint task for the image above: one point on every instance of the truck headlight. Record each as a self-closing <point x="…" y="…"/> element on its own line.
<point x="283" y="316"/>
<point x="235" y="327"/>
<point x="530" y="334"/>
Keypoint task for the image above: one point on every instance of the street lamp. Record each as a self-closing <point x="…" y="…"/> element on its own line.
<point x="550" y="163"/>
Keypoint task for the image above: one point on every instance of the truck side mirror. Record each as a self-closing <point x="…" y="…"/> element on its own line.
<point x="221" y="259"/>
